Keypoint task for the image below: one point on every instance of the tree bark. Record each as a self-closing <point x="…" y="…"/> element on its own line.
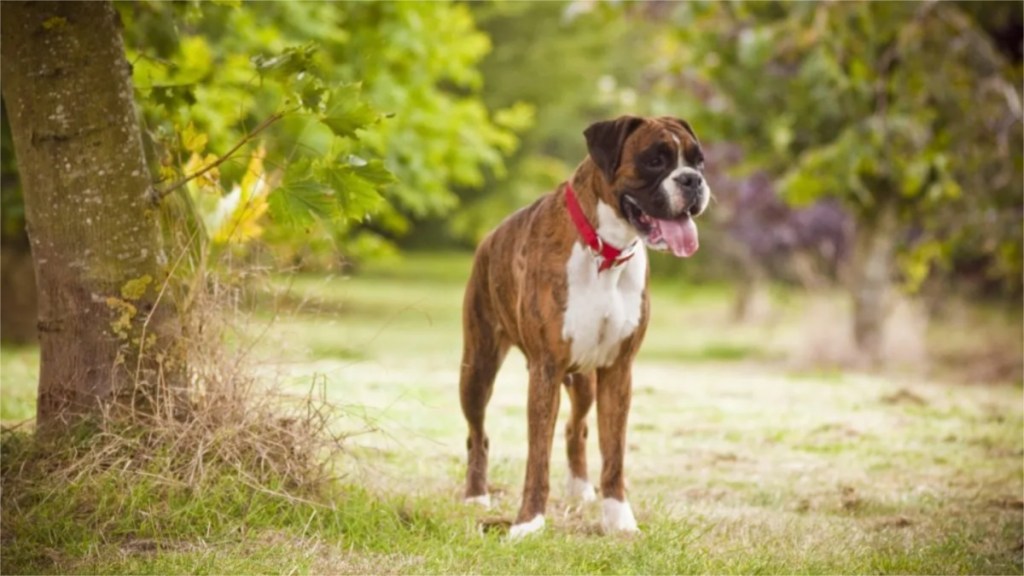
<point x="871" y="281"/>
<point x="104" y="330"/>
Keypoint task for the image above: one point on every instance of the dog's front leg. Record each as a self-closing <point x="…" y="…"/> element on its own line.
<point x="614" y="392"/>
<point x="542" y="408"/>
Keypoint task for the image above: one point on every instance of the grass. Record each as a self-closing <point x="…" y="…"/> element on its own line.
<point x="19" y="368"/>
<point x="744" y="456"/>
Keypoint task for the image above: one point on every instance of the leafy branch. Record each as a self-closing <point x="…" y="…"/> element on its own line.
<point x="161" y="194"/>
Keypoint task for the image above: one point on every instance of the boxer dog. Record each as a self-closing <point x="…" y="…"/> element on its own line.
<point x="565" y="280"/>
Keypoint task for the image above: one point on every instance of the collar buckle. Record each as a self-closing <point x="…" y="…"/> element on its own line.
<point x="605" y="255"/>
<point x="629" y="251"/>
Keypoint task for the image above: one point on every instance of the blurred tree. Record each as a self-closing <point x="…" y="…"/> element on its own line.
<point x="259" y="115"/>
<point x="559" y="66"/>
<point x="414" y="61"/>
<point x="853" y="101"/>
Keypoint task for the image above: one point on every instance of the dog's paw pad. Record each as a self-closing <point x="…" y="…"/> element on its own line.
<point x="526" y="528"/>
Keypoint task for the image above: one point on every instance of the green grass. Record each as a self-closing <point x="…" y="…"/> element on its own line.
<point x="19" y="369"/>
<point x="367" y="533"/>
<point x="744" y="458"/>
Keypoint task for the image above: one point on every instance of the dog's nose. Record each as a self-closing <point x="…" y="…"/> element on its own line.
<point x="689" y="181"/>
<point x="691" y="185"/>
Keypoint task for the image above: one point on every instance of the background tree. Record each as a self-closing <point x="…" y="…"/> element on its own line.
<point x="217" y="70"/>
<point x="849" y="100"/>
<point x="562" y="63"/>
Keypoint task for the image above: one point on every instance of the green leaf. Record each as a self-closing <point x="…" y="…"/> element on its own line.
<point x="300" y="198"/>
<point x="311" y="92"/>
<point x="292" y="60"/>
<point x="301" y="202"/>
<point x="375" y="173"/>
<point x="193" y="140"/>
<point x="356" y="195"/>
<point x="348" y="112"/>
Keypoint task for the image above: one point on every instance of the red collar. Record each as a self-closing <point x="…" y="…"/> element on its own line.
<point x="609" y="255"/>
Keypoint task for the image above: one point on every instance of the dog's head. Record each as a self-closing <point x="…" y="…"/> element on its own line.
<point x="653" y="171"/>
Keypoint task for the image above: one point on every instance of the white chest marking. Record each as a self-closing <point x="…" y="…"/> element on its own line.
<point x="604" y="308"/>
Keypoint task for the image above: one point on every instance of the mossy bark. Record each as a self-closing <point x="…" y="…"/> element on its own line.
<point x="104" y="331"/>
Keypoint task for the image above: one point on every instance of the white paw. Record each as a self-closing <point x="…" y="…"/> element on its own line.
<point x="617" y="517"/>
<point x="579" y="490"/>
<point x="526" y="528"/>
<point x="482" y="500"/>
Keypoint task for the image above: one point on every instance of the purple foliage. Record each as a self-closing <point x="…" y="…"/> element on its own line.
<point x="768" y="228"/>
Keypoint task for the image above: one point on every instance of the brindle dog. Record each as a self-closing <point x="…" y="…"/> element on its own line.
<point x="543" y="283"/>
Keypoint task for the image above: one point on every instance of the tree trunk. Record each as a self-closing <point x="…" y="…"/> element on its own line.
<point x="871" y="280"/>
<point x="749" y="282"/>
<point x="94" y="232"/>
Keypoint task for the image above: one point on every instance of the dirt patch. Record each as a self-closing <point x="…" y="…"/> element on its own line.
<point x="849" y="499"/>
<point x="1007" y="503"/>
<point x="905" y="397"/>
<point x="894" y="522"/>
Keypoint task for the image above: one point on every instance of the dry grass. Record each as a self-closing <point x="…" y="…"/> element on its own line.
<point x="232" y="438"/>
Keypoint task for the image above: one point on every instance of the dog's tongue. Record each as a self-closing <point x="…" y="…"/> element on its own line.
<point x="680" y="235"/>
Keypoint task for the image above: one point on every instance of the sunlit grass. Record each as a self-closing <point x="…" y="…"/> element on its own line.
<point x="19" y="371"/>
<point x="741" y="459"/>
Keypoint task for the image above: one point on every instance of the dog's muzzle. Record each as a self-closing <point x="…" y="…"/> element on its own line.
<point x="691" y="185"/>
<point x="678" y="234"/>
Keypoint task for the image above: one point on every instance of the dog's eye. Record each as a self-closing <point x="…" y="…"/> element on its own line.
<point x="656" y="162"/>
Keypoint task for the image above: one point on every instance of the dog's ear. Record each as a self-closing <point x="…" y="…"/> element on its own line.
<point x="605" y="141"/>
<point x="685" y="126"/>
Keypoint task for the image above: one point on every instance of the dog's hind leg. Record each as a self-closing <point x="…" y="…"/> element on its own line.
<point x="581" y="393"/>
<point x="484" y="350"/>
